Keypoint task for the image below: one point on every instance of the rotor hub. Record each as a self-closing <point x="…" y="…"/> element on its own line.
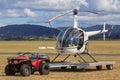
<point x="75" y="12"/>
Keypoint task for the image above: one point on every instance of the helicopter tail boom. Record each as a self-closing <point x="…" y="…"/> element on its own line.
<point x="92" y="33"/>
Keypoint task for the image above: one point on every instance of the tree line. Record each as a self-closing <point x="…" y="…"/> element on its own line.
<point x="46" y="38"/>
<point x="27" y="38"/>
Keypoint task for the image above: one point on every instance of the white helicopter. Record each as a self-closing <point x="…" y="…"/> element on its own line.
<point x="74" y="40"/>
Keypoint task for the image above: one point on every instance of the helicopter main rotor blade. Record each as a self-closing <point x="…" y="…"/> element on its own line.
<point x="89" y="11"/>
<point x="60" y="15"/>
<point x="57" y="16"/>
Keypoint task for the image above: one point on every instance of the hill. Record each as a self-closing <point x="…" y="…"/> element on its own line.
<point x="115" y="33"/>
<point x="38" y="30"/>
<point x="27" y="30"/>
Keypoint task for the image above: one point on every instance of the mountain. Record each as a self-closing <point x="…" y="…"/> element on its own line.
<point x="115" y="32"/>
<point x="27" y="30"/>
<point x="38" y="30"/>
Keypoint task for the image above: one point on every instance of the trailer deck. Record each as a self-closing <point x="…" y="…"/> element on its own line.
<point x="98" y="65"/>
<point x="82" y="65"/>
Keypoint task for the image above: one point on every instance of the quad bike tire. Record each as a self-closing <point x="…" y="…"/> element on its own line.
<point x="9" y="70"/>
<point x="25" y="70"/>
<point x="44" y="69"/>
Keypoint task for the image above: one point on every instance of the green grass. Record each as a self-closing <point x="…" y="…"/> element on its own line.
<point x="91" y="74"/>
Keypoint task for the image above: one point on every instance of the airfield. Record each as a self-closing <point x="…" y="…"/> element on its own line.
<point x="112" y="48"/>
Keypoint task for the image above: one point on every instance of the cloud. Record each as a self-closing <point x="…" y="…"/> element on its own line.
<point x="1" y="24"/>
<point x="12" y="13"/>
<point x="110" y="12"/>
<point x="41" y="10"/>
<point x="51" y="5"/>
<point x="98" y="19"/>
<point x="106" y="5"/>
<point x="42" y="4"/>
<point x="17" y="13"/>
<point x="18" y="8"/>
<point x="0" y="14"/>
<point x="29" y="13"/>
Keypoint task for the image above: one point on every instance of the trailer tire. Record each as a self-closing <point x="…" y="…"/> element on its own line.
<point x="98" y="67"/>
<point x="63" y="68"/>
<point x="9" y="71"/>
<point x="44" y="69"/>
<point x="109" y="67"/>
<point x="73" y="67"/>
<point x="25" y="70"/>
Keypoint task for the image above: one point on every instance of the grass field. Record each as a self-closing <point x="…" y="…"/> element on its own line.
<point x="91" y="73"/>
<point x="32" y="46"/>
<point x="25" y="46"/>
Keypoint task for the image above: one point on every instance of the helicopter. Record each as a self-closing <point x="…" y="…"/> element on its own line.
<point x="74" y="39"/>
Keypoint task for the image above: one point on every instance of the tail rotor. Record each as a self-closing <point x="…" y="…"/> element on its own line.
<point x="110" y="31"/>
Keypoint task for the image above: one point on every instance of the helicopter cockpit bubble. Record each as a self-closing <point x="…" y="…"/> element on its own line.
<point x="71" y="37"/>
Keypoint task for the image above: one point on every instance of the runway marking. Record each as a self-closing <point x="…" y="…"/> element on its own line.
<point x="46" y="48"/>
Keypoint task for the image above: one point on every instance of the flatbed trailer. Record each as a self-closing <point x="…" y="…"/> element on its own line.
<point x="98" y="65"/>
<point x="81" y="65"/>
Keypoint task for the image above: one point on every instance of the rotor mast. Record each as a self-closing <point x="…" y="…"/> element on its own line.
<point x="75" y="18"/>
<point x="104" y="33"/>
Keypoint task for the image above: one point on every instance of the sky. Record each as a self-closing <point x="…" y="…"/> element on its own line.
<point x="38" y="11"/>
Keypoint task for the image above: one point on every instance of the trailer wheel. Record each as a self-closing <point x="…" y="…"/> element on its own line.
<point x="25" y="70"/>
<point x="98" y="67"/>
<point x="73" y="67"/>
<point x="9" y="71"/>
<point x="44" y="69"/>
<point x="63" y="68"/>
<point x="109" y="67"/>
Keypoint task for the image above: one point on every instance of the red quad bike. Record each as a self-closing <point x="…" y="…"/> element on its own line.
<point x="28" y="64"/>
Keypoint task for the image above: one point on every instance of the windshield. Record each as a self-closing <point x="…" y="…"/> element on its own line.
<point x="69" y="38"/>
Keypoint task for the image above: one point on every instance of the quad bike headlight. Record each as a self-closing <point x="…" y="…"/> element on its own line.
<point x="15" y="62"/>
<point x="9" y="62"/>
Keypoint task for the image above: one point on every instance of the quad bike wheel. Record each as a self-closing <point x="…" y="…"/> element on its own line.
<point x="44" y="69"/>
<point x="9" y="70"/>
<point x="25" y="70"/>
